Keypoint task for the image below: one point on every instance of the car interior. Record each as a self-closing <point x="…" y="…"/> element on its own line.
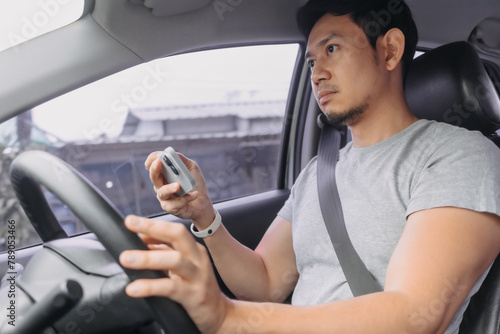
<point x="74" y="216"/>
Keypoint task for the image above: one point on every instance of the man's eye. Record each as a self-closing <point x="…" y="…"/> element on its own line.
<point x="311" y="63"/>
<point x="331" y="48"/>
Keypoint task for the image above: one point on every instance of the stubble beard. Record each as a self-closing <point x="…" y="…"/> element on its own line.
<point x="347" y="117"/>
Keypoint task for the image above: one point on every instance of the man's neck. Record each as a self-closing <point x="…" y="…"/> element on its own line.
<point x="381" y="122"/>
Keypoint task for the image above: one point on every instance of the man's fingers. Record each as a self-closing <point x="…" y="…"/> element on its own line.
<point x="167" y="191"/>
<point x="173" y="234"/>
<point x="175" y="204"/>
<point x="149" y="160"/>
<point x="150" y="241"/>
<point x="170" y="260"/>
<point x="155" y="174"/>
<point x="154" y="165"/>
<point x="161" y="287"/>
<point x="159" y="247"/>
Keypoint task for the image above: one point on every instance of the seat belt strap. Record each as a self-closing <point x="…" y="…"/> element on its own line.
<point x="358" y="277"/>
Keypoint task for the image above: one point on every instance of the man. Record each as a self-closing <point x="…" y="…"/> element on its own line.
<point x="402" y="182"/>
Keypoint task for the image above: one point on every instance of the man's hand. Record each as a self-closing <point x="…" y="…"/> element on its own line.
<point x="191" y="280"/>
<point x="195" y="205"/>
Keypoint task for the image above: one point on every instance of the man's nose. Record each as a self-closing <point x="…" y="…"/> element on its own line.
<point x="320" y="73"/>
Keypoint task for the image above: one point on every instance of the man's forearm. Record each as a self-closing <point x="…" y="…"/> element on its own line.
<point x="384" y="312"/>
<point x="242" y="269"/>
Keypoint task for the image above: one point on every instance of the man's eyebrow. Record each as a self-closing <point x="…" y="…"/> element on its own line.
<point x="323" y="42"/>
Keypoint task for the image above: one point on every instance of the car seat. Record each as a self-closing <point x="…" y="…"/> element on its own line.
<point x="450" y="84"/>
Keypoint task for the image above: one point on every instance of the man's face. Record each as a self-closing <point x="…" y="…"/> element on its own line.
<point x="345" y="68"/>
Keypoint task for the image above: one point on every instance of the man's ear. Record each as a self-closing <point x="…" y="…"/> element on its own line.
<point x="394" y="47"/>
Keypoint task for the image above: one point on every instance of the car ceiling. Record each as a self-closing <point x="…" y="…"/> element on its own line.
<point x="261" y="21"/>
<point x="122" y="33"/>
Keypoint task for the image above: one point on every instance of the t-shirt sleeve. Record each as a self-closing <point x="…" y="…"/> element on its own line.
<point x="286" y="211"/>
<point x="464" y="172"/>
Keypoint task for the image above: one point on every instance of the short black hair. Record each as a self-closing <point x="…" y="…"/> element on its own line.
<point x="375" y="17"/>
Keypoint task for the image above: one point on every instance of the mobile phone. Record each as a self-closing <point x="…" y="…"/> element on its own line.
<point x="174" y="170"/>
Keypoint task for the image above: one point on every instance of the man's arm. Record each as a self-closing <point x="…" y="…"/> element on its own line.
<point x="267" y="274"/>
<point x="440" y="256"/>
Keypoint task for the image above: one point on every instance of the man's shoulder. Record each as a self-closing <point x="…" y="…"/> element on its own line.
<point x="444" y="137"/>
<point x="442" y="130"/>
<point x="450" y="137"/>
<point x="309" y="172"/>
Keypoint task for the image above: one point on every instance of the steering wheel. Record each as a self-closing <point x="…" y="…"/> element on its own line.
<point x="34" y="168"/>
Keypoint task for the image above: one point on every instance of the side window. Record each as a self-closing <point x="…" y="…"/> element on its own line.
<point x="223" y="108"/>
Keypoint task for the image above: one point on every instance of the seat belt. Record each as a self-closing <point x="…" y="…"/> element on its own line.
<point x="358" y="277"/>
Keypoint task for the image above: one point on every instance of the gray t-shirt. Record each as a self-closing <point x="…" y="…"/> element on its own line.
<point x="427" y="165"/>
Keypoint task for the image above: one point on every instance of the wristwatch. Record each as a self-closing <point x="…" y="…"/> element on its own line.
<point x="209" y="230"/>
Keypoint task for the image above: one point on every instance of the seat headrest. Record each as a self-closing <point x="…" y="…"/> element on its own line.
<point x="450" y="84"/>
